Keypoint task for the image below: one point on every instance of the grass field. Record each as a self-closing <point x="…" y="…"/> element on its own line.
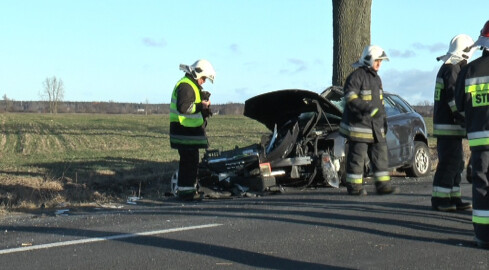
<point x="79" y="158"/>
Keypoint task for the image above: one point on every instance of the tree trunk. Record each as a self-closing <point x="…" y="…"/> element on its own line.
<point x="351" y="33"/>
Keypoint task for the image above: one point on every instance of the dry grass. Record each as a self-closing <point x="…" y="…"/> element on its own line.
<point x="75" y="159"/>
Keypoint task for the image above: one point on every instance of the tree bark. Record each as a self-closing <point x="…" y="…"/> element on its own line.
<point x="351" y="33"/>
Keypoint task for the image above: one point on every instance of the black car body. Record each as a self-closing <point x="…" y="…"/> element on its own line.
<point x="305" y="147"/>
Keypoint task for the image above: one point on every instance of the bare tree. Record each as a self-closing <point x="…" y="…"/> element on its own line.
<point x="146" y="107"/>
<point x="7" y="102"/>
<point x="351" y="33"/>
<point x="53" y="89"/>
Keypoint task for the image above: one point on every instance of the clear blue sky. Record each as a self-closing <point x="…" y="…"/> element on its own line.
<point x="129" y="51"/>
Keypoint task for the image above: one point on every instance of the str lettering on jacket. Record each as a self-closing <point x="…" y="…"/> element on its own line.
<point x="480" y="99"/>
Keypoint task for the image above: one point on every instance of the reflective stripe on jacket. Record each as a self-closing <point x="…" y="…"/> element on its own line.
<point x="444" y="122"/>
<point x="363" y="93"/>
<point x="472" y="98"/>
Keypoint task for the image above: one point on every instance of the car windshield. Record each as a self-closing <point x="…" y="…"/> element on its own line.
<point x="335" y="95"/>
<point x="339" y="103"/>
<point x="393" y="104"/>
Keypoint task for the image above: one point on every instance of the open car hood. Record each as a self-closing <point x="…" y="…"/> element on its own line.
<point x="280" y="106"/>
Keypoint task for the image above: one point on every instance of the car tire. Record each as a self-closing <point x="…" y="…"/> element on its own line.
<point x="421" y="163"/>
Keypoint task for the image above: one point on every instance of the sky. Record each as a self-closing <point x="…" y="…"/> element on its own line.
<point x="130" y="51"/>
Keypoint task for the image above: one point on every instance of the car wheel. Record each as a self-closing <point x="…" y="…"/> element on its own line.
<point x="421" y="163"/>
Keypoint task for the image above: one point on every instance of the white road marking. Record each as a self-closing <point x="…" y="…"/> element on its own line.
<point x="105" y="238"/>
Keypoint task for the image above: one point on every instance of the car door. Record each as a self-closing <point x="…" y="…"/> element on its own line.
<point x="399" y="129"/>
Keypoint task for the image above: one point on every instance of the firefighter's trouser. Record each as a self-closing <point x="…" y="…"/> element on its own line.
<point x="446" y="182"/>
<point x="355" y="163"/>
<point x="480" y="194"/>
<point x="188" y="167"/>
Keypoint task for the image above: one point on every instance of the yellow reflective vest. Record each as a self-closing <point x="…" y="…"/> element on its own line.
<point x="187" y="129"/>
<point x="191" y="119"/>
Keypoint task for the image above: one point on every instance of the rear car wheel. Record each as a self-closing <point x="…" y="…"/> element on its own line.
<point x="421" y="163"/>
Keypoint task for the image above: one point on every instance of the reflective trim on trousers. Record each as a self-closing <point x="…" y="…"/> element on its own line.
<point x="480" y="216"/>
<point x="382" y="176"/>
<point x="441" y="192"/>
<point x="354" y="178"/>
<point x="456" y="192"/>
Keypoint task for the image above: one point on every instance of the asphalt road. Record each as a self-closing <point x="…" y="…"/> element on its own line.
<point x="308" y="229"/>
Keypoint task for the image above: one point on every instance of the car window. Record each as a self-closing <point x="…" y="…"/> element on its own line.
<point x="390" y="108"/>
<point x="402" y="105"/>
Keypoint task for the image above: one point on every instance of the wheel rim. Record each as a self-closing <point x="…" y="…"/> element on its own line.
<point x="422" y="161"/>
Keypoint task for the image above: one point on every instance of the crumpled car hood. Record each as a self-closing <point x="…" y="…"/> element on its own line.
<point x="280" y="106"/>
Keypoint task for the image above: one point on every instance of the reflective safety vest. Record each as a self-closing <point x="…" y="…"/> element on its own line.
<point x="187" y="120"/>
<point x="187" y="129"/>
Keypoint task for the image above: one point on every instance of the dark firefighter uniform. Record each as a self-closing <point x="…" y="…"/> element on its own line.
<point x="446" y="195"/>
<point x="187" y="130"/>
<point x="365" y="133"/>
<point x="472" y="97"/>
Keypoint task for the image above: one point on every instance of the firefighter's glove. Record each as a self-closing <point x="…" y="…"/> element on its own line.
<point x="207" y="112"/>
<point x="374" y="112"/>
<point x="205" y="95"/>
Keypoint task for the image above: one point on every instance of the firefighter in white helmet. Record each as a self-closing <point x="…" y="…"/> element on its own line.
<point x="448" y="128"/>
<point x="472" y="99"/>
<point x="187" y="124"/>
<point x="364" y="124"/>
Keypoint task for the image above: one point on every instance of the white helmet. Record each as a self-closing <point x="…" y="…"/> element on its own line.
<point x="369" y="55"/>
<point x="459" y="50"/>
<point x="203" y="68"/>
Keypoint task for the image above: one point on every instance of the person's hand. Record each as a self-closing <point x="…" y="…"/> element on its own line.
<point x="206" y="104"/>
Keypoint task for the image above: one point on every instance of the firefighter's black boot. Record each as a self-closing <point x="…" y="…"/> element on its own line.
<point x="356" y="189"/>
<point x="384" y="188"/>
<point x="443" y="204"/>
<point x="481" y="244"/>
<point x="457" y="201"/>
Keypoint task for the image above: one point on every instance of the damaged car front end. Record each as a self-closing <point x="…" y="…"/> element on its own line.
<point x="304" y="147"/>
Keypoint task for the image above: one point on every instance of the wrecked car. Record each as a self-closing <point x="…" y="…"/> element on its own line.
<point x="304" y="147"/>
